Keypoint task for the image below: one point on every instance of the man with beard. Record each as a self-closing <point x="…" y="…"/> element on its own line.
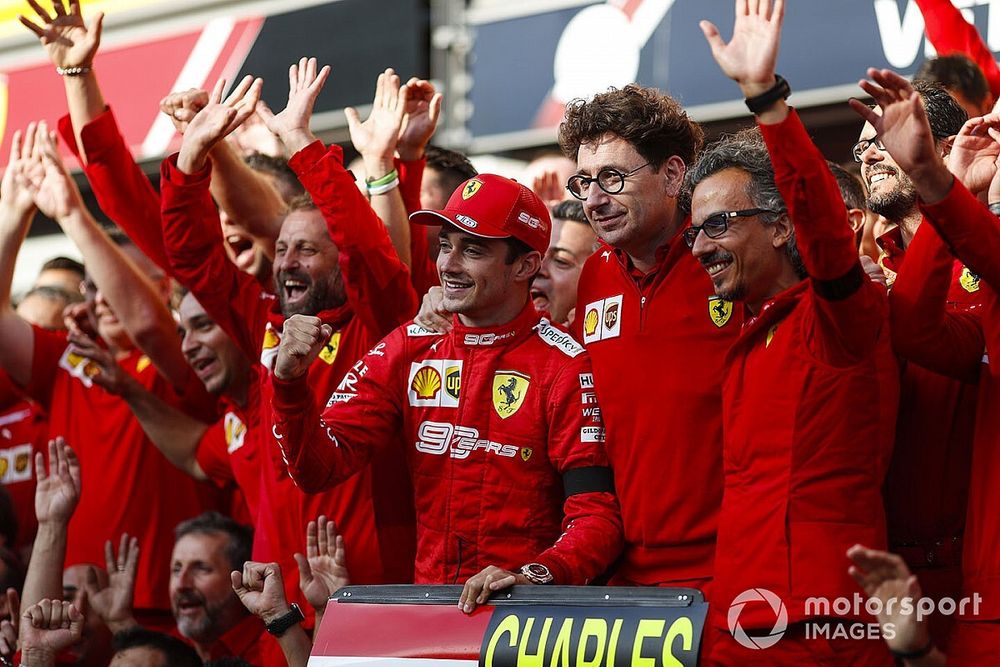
<point x="208" y="612"/>
<point x="333" y="260"/>
<point x="927" y="485"/>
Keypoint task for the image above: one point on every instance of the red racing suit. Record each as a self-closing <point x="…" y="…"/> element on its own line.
<point x="496" y="424"/>
<point x="809" y="409"/>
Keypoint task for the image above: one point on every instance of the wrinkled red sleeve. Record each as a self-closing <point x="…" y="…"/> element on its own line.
<point x="924" y="331"/>
<point x="949" y="32"/>
<point x="850" y="309"/>
<point x="123" y="191"/>
<point x="376" y="280"/>
<point x="423" y="271"/>
<point x="970" y="231"/>
<point x="193" y="241"/>
<point x="592" y="526"/>
<point x="362" y="415"/>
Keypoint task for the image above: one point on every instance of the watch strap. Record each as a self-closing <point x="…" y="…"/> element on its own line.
<point x="779" y="91"/>
<point x="280" y="625"/>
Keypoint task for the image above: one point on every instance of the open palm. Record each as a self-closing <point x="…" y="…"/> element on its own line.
<point x="751" y="54"/>
<point x="68" y="41"/>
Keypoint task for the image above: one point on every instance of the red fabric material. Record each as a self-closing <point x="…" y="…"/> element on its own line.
<point x="973" y="235"/>
<point x="488" y="483"/>
<point x="370" y="510"/>
<point x="949" y="32"/>
<point x="23" y="432"/>
<point x="423" y="270"/>
<point x="128" y="485"/>
<point x="664" y="343"/>
<point x="973" y="644"/>
<point x="809" y="404"/>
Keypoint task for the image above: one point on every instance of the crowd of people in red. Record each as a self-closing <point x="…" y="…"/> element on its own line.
<point x="663" y="364"/>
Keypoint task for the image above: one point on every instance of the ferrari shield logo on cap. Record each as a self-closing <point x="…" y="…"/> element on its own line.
<point x="471" y="188"/>
<point x="509" y="388"/>
<point x="719" y="310"/>
<point x="969" y="280"/>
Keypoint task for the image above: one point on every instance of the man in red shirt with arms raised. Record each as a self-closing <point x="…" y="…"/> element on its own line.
<point x="494" y="413"/>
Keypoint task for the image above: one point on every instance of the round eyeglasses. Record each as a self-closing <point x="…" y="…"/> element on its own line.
<point x="608" y="179"/>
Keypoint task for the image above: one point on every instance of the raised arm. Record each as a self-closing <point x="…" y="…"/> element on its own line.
<point x="261" y="590"/>
<point x="376" y="140"/>
<point x="131" y="295"/>
<point x="17" y="208"/>
<point x="322" y="452"/>
<point x="949" y="32"/>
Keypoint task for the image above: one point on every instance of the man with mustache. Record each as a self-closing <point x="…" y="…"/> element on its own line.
<point x="927" y="485"/>
<point x="333" y="260"/>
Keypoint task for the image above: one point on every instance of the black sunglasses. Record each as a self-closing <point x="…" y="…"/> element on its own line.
<point x="716" y="224"/>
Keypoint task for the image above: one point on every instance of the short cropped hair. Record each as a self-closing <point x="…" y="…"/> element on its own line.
<point x="945" y="114"/>
<point x="850" y="186"/>
<point x="654" y="123"/>
<point x="278" y="168"/>
<point x="746" y="151"/>
<point x="956" y="72"/>
<point x="175" y="652"/>
<point x="569" y="209"/>
<point x="64" y="264"/>
<point x="240" y="537"/>
<point x="453" y="168"/>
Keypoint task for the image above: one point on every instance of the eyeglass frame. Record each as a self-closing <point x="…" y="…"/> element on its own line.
<point x="874" y="141"/>
<point x="580" y="178"/>
<point x="690" y="234"/>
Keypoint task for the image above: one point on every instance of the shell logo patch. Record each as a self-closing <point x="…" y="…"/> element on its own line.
<point x="435" y="383"/>
<point x="969" y="280"/>
<point x="426" y="383"/>
<point x="15" y="464"/>
<point x="329" y="351"/>
<point x="472" y="186"/>
<point x="591" y="321"/>
<point x="509" y="389"/>
<point x="719" y="310"/>
<point x="603" y="319"/>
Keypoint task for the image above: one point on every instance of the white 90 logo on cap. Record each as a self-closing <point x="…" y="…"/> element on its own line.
<point x="529" y="220"/>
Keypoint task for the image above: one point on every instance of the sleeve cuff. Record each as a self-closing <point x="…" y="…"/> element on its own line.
<point x="560" y="574"/>
<point x="170" y="173"/>
<point x="789" y="143"/>
<point x="306" y="158"/>
<point x="97" y="135"/>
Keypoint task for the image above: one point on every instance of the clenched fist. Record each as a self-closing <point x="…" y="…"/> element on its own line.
<point x="302" y="339"/>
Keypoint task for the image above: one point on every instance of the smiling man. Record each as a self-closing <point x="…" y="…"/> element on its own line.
<point x="502" y="455"/>
<point x="554" y="290"/>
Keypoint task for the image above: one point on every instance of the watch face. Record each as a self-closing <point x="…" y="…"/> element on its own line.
<point x="537" y="573"/>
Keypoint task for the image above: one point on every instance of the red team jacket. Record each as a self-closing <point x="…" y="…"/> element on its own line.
<point x="495" y="422"/>
<point x="23" y="432"/>
<point x="663" y="335"/>
<point x="809" y="406"/>
<point x="371" y="509"/>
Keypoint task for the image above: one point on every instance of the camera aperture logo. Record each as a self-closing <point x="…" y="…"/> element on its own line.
<point x="780" y="615"/>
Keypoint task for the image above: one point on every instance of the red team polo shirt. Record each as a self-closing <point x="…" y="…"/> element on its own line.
<point x="23" y="431"/>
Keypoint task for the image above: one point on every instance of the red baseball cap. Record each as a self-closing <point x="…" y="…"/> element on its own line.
<point x="494" y="207"/>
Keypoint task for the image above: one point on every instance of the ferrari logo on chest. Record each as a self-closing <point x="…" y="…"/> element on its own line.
<point x="719" y="310"/>
<point x="969" y="280"/>
<point x="471" y="188"/>
<point x="329" y="351"/>
<point x="509" y="389"/>
<point x="526" y="453"/>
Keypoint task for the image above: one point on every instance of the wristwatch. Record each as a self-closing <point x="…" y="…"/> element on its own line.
<point x="280" y="625"/>
<point x="537" y="573"/>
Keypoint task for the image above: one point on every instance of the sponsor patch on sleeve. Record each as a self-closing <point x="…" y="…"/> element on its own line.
<point x="592" y="434"/>
<point x="558" y="339"/>
<point x="415" y="330"/>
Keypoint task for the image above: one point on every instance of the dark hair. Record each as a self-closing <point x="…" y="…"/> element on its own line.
<point x="516" y="248"/>
<point x="240" y="537"/>
<point x="955" y="72"/>
<point x="946" y="115"/>
<point x="850" y="186"/>
<point x="654" y="123"/>
<point x="569" y="209"/>
<point x="747" y="152"/>
<point x="54" y="293"/>
<point x="175" y="652"/>
<point x="453" y="167"/>
<point x="278" y="168"/>
<point x="64" y="264"/>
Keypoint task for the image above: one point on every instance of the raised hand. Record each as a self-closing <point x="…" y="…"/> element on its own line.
<point x="292" y="124"/>
<point x="323" y="570"/>
<point x="15" y="192"/>
<point x="975" y="151"/>
<point x="182" y="106"/>
<point x="113" y="603"/>
<point x="302" y="338"/>
<point x="548" y="188"/>
<point x="57" y="490"/>
<point x="47" y="628"/>
<point x="261" y="591"/>
<point x="376" y="138"/>
<point x="420" y="119"/>
<point x="750" y="56"/>
<point x="68" y="41"/>
<point x="45" y="176"/>
<point x="216" y="120"/>
<point x="103" y="370"/>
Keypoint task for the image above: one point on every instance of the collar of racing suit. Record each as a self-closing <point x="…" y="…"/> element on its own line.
<point x="503" y="334"/>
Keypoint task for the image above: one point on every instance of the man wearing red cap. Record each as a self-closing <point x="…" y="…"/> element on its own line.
<point x="499" y="418"/>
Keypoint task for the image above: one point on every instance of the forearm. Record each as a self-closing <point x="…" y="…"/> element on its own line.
<point x="246" y="196"/>
<point x="949" y="32"/>
<point x="296" y="646"/>
<point x="16" y="352"/>
<point x="37" y="658"/>
<point x="85" y="102"/>
<point x="591" y="541"/>
<point x="44" y="577"/>
<point x="391" y="211"/>
<point x="173" y="432"/>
